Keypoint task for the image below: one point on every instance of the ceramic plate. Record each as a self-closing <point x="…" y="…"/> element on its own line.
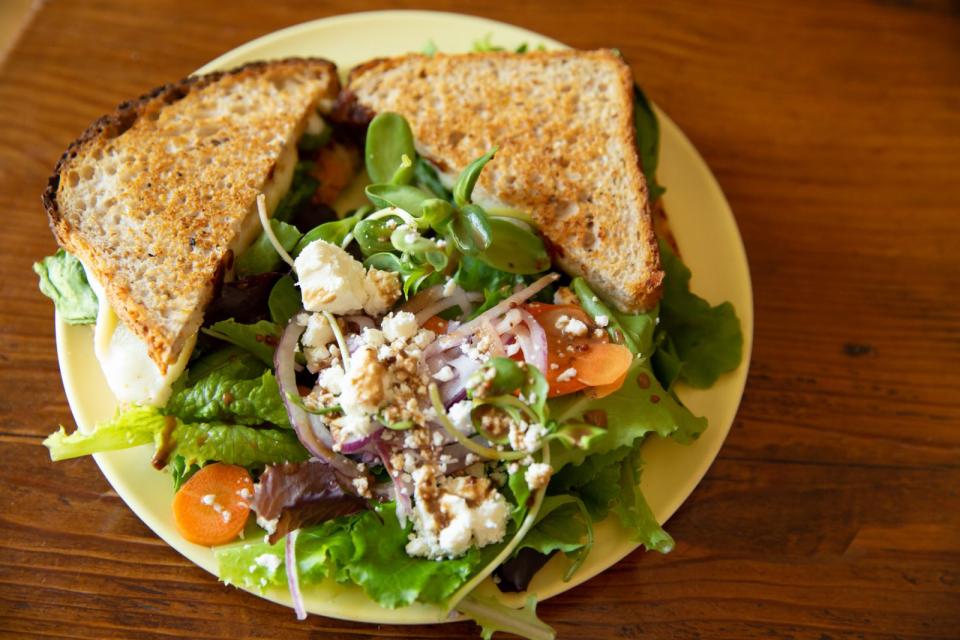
<point x="700" y="218"/>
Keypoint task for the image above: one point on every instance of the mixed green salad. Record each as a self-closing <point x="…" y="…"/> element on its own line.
<point x="411" y="398"/>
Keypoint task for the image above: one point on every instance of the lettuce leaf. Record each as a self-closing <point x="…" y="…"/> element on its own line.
<point x="284" y="300"/>
<point x="562" y="524"/>
<point x="302" y="187"/>
<point x="596" y="481"/>
<point x="63" y="280"/>
<point x="648" y="141"/>
<point x="367" y="549"/>
<point x="492" y="616"/>
<point x="706" y="340"/>
<point x="633" y="510"/>
<point x="259" y="338"/>
<point x="196" y="443"/>
<point x="639" y="407"/>
<point x="221" y="397"/>
<point x="231" y="361"/>
<point x="261" y="256"/>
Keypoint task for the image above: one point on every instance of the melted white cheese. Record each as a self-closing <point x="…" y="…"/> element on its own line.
<point x="130" y="373"/>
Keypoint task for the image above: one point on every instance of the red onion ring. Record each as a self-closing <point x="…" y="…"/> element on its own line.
<point x="458" y="335"/>
<point x="401" y="489"/>
<point x="293" y="580"/>
<point x="283" y="362"/>
<point x="356" y="445"/>
<point x="538" y="339"/>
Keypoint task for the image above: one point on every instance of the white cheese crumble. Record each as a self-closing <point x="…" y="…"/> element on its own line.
<point x="445" y="374"/>
<point x="269" y="562"/>
<point x="602" y="320"/>
<point x="399" y="326"/>
<point x="479" y="525"/>
<point x="567" y="374"/>
<point x="459" y="414"/>
<point x="538" y="475"/>
<point x="208" y="499"/>
<point x="331" y="280"/>
<point x="576" y="328"/>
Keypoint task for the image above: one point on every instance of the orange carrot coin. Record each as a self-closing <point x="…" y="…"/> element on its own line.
<point x="211" y="508"/>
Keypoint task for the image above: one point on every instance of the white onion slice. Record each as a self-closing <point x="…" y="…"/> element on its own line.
<point x="293" y="580"/>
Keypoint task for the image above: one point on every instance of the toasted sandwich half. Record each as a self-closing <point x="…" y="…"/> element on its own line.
<point x="563" y="122"/>
<point x="157" y="198"/>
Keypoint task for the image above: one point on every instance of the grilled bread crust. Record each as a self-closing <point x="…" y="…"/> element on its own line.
<point x="155" y="197"/>
<point x="563" y="122"/>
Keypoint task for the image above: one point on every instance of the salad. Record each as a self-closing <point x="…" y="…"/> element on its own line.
<point x="410" y="398"/>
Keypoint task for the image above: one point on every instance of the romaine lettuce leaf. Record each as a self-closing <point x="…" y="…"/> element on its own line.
<point x="707" y="340"/>
<point x="221" y="397"/>
<point x="63" y="280"/>
<point x="231" y="361"/>
<point x="197" y="443"/>
<point x="260" y="338"/>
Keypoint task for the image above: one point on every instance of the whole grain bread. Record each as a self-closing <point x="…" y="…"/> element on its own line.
<point x="563" y="122"/>
<point x="157" y="197"/>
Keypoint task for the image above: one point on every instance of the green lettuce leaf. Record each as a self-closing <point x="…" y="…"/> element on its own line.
<point x="634" y="331"/>
<point x="633" y="510"/>
<point x="639" y="407"/>
<point x="196" y="443"/>
<point x="63" y="280"/>
<point x="221" y="397"/>
<point x="596" y="481"/>
<point x="302" y="188"/>
<point x="231" y="361"/>
<point x="706" y="340"/>
<point x="381" y="566"/>
<point x="562" y="524"/>
<point x="284" y="300"/>
<point x="261" y="256"/>
<point x="367" y="549"/>
<point x="260" y="338"/>
<point x="492" y="616"/>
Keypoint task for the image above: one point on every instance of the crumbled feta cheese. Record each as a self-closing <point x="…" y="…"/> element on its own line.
<point x="459" y="414"/>
<point x="449" y="287"/>
<point x="399" y="326"/>
<point x="364" y="386"/>
<point x="383" y="290"/>
<point x="373" y="337"/>
<point x="331" y="379"/>
<point x="362" y="486"/>
<point x="456" y="526"/>
<point x="576" y="328"/>
<point x="567" y="374"/>
<point x="533" y="436"/>
<point x="331" y="280"/>
<point x="268" y="561"/>
<point x="446" y="374"/>
<point x="538" y="475"/>
<point x="602" y="320"/>
<point x="268" y="525"/>
<point x="318" y="332"/>
<point x="208" y="499"/>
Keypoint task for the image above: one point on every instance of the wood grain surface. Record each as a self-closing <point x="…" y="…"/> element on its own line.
<point x="833" y="510"/>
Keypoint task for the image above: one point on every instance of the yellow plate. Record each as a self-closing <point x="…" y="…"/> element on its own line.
<point x="700" y="218"/>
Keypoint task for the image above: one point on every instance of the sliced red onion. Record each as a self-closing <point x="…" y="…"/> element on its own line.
<point x="401" y="489"/>
<point x="283" y="361"/>
<point x="356" y="445"/>
<point x="458" y="335"/>
<point x="509" y="320"/>
<point x="496" y="344"/>
<point x="293" y="580"/>
<point x="538" y="338"/>
<point x="422" y="299"/>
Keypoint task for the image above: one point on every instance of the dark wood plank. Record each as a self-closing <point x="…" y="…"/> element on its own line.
<point x="833" y="510"/>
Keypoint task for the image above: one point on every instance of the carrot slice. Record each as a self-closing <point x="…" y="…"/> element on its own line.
<point x="436" y="324"/>
<point x="211" y="508"/>
<point x="602" y="363"/>
<point x="606" y="389"/>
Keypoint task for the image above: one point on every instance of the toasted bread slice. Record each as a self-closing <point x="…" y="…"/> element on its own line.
<point x="156" y="198"/>
<point x="563" y="122"/>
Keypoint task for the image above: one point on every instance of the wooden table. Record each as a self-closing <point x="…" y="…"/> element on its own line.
<point x="833" y="510"/>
